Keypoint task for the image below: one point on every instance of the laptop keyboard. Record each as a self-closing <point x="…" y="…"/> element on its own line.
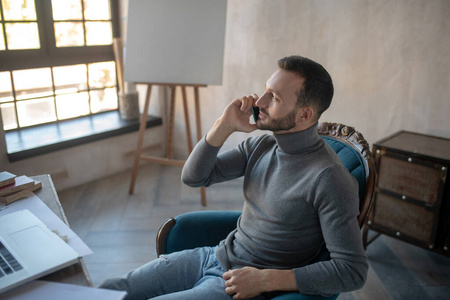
<point x="8" y="264"/>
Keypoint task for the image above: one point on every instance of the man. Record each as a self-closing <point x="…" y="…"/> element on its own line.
<point x="298" y="198"/>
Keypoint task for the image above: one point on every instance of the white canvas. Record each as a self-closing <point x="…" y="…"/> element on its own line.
<point x="175" y="41"/>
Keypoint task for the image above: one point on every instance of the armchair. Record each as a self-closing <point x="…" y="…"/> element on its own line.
<point x="208" y="228"/>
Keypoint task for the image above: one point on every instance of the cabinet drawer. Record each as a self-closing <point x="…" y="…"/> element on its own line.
<point x="415" y="180"/>
<point x="404" y="218"/>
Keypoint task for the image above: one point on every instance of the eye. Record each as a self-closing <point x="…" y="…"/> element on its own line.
<point x="274" y="98"/>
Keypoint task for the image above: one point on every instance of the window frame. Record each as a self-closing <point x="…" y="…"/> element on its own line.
<point x="51" y="56"/>
<point x="48" y="55"/>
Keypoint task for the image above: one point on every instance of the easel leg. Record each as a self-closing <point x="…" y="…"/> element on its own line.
<point x="199" y="136"/>
<point x="186" y="119"/>
<point x="170" y="130"/>
<point x="142" y="127"/>
<point x="170" y="134"/>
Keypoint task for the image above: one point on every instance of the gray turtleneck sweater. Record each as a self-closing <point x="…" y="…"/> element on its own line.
<point x="297" y="195"/>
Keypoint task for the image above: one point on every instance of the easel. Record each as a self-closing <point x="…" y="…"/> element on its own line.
<point x="168" y="160"/>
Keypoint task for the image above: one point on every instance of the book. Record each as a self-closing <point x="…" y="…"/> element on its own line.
<point x="6" y="178"/>
<point x="20" y="183"/>
<point x="9" y="198"/>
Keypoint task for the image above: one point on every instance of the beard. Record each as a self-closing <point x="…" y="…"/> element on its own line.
<point x="285" y="123"/>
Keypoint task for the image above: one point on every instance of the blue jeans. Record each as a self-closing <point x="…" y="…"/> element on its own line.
<point x="190" y="274"/>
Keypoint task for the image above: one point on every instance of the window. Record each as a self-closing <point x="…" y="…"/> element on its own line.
<point x="56" y="60"/>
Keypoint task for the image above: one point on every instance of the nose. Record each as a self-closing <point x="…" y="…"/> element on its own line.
<point x="262" y="101"/>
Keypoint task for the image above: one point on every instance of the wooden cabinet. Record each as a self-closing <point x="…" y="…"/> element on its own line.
<point x="412" y="195"/>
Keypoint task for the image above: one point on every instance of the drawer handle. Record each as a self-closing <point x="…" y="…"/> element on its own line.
<point x="409" y="159"/>
<point x="403" y="197"/>
<point x="397" y="233"/>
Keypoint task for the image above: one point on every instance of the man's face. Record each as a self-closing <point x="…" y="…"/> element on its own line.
<point x="278" y="110"/>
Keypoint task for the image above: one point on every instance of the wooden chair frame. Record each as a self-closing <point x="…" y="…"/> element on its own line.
<point x="356" y="140"/>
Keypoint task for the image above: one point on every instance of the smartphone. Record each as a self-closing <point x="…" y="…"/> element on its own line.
<point x="255" y="111"/>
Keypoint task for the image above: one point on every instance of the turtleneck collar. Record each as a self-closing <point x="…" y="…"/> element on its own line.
<point x="299" y="142"/>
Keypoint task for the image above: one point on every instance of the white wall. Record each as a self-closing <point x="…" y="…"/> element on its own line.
<point x="389" y="60"/>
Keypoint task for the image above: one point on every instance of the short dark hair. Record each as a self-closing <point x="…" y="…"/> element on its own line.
<point x="317" y="91"/>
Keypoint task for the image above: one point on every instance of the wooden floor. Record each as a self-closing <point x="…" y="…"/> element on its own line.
<point x="121" y="230"/>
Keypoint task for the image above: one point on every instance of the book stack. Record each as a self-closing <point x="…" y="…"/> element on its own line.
<point x="13" y="187"/>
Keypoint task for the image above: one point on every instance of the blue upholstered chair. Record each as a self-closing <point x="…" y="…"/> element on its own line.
<point x="208" y="228"/>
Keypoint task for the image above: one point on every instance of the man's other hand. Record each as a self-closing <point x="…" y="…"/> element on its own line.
<point x="245" y="283"/>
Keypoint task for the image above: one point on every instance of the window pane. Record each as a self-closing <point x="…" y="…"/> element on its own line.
<point x="15" y="10"/>
<point x="22" y="36"/>
<point x="102" y="100"/>
<point x="98" y="33"/>
<point x="70" y="79"/>
<point x="72" y="105"/>
<point x="2" y="39"/>
<point x="66" y="10"/>
<point x="32" y="83"/>
<point x="69" y="34"/>
<point x="8" y="116"/>
<point x="97" y="10"/>
<point x="5" y="87"/>
<point x="102" y="74"/>
<point x="36" y="111"/>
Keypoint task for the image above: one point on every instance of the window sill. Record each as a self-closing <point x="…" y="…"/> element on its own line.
<point x="30" y="142"/>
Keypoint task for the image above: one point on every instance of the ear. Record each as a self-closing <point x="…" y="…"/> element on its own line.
<point x="305" y="114"/>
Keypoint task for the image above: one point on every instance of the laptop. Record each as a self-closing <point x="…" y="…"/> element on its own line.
<point x="29" y="250"/>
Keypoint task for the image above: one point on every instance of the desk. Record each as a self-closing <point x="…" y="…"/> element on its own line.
<point x="74" y="274"/>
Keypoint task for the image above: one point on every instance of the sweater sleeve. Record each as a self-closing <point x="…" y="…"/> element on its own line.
<point x="206" y="166"/>
<point x="337" y="203"/>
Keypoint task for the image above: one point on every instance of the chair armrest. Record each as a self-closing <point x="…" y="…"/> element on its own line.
<point x="195" y="229"/>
